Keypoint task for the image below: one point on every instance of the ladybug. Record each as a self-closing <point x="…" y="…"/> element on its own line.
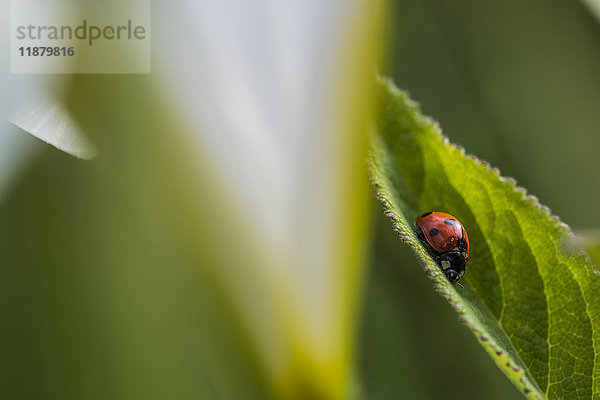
<point x="447" y="239"/>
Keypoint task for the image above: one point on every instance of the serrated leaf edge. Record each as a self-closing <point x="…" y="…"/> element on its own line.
<point x="441" y="285"/>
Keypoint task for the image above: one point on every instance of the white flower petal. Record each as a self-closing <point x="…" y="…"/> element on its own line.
<point x="48" y="120"/>
<point x="33" y="102"/>
<point x="593" y="6"/>
<point x="258" y="83"/>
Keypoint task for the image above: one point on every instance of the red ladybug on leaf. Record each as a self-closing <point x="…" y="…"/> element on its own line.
<point x="447" y="239"/>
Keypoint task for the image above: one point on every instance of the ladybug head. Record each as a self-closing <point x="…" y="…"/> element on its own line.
<point x="452" y="275"/>
<point x="453" y="265"/>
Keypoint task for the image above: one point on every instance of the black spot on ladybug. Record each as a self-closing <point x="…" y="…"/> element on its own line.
<point x="461" y="244"/>
<point x="449" y="221"/>
<point x="433" y="232"/>
<point x="426" y="214"/>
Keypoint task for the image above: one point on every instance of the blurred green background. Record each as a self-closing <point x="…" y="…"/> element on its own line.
<point x="101" y="294"/>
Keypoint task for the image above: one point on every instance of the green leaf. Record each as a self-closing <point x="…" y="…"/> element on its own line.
<point x="595" y="253"/>
<point x="532" y="304"/>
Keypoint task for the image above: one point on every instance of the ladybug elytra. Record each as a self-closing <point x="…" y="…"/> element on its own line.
<point x="447" y="239"/>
